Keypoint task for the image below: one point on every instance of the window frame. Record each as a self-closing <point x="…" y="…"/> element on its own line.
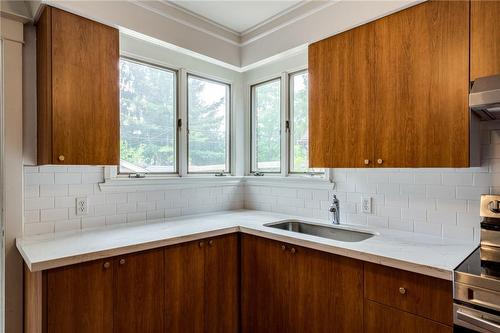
<point x="290" y="126"/>
<point x="285" y="128"/>
<point x="176" y="120"/>
<point x="253" y="137"/>
<point x="229" y="126"/>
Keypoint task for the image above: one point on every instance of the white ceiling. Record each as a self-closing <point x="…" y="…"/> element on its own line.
<point x="237" y="15"/>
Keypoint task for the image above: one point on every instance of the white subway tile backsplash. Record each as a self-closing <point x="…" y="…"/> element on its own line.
<point x="54" y="214"/>
<point x="434" y="201"/>
<point x="68" y="178"/>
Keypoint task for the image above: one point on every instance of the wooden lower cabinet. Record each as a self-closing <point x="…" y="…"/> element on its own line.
<point x="139" y="282"/>
<point x="79" y="298"/>
<point x="202" y="286"/>
<point x="234" y="283"/>
<point x="381" y="318"/>
<point x="287" y="288"/>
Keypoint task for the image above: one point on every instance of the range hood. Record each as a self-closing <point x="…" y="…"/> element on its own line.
<point x="484" y="97"/>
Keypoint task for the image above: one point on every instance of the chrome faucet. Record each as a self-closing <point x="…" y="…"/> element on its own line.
<point x="335" y="210"/>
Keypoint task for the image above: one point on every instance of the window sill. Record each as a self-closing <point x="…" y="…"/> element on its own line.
<point x="290" y="181"/>
<point x="165" y="183"/>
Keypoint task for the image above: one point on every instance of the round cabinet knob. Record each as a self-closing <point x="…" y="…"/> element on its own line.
<point x="367" y="162"/>
<point x="380" y="161"/>
<point x="201" y="244"/>
<point x="293" y="250"/>
<point x="61" y="158"/>
<point x="210" y="242"/>
<point x="106" y="265"/>
<point x="283" y="247"/>
<point x="494" y="206"/>
<point x="402" y="290"/>
<point x="122" y="261"/>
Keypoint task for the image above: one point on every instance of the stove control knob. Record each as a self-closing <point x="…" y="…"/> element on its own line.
<point x="494" y="206"/>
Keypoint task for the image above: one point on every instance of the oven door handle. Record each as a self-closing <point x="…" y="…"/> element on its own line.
<point x="479" y="322"/>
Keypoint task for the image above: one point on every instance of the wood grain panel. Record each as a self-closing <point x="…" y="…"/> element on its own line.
<point x="139" y="292"/>
<point x="85" y="95"/>
<point x="80" y="298"/>
<point x="44" y="86"/>
<point x="485" y="38"/>
<point x="184" y="287"/>
<point x="380" y="318"/>
<point x="421" y="73"/>
<point x="325" y="292"/>
<point x="222" y="281"/>
<point x="33" y="301"/>
<point x="265" y="292"/>
<point x="425" y="296"/>
<point x="341" y="98"/>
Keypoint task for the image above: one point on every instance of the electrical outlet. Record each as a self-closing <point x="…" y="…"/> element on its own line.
<point x="81" y="206"/>
<point x="366" y="205"/>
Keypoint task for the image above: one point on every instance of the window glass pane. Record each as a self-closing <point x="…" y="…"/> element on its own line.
<point x="208" y="135"/>
<point x="267" y="128"/>
<point x="147" y="118"/>
<point x="299" y="134"/>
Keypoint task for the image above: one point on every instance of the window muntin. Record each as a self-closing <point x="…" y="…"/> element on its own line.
<point x="208" y="131"/>
<point x="148" y="112"/>
<point x="266" y="127"/>
<point x="299" y="124"/>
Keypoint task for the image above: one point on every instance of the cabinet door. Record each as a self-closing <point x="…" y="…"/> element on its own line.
<point x="79" y="298"/>
<point x="85" y="96"/>
<point x="184" y="287"/>
<point x="139" y="292"/>
<point x="341" y="94"/>
<point x="381" y="318"/>
<point x="326" y="292"/>
<point x="265" y="292"/>
<point x="222" y="285"/>
<point x="485" y="38"/>
<point x="421" y="82"/>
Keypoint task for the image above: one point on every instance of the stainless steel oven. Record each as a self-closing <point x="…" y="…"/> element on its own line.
<point x="476" y="288"/>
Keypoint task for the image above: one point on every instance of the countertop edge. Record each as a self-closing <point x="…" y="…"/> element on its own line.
<point x="441" y="273"/>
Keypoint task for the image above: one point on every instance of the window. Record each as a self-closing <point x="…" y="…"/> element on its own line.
<point x="299" y="124"/>
<point x="148" y="118"/>
<point x="267" y="138"/>
<point x="208" y="125"/>
<point x="266" y="127"/>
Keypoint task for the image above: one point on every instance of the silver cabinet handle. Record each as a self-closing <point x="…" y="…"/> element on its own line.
<point x="479" y="322"/>
<point x="122" y="261"/>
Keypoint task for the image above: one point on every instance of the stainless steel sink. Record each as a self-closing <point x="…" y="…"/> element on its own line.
<point x="343" y="234"/>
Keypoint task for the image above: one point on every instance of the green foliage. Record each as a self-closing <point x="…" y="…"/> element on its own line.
<point x="207" y="124"/>
<point x="147" y="115"/>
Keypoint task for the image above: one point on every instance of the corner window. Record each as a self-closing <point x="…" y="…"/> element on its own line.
<point x="148" y="118"/>
<point x="299" y="124"/>
<point x="266" y="127"/>
<point x="274" y="126"/>
<point x="208" y="125"/>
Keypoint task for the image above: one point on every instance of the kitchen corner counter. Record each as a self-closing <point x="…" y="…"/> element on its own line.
<point x="413" y="252"/>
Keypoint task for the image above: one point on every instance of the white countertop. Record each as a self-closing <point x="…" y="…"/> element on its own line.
<point x="414" y="252"/>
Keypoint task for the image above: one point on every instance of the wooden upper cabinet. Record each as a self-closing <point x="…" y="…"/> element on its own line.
<point x="341" y="93"/>
<point x="420" y="109"/>
<point x="78" y="93"/>
<point x="393" y="92"/>
<point x="485" y="38"/>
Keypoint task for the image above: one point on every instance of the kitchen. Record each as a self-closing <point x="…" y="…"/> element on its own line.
<point x="250" y="166"/>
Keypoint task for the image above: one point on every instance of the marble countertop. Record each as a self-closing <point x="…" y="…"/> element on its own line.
<point x="414" y="252"/>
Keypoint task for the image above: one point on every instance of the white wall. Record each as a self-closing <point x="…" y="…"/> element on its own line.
<point x="11" y="33"/>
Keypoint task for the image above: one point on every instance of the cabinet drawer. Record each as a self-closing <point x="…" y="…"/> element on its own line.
<point x="415" y="293"/>
<point x="381" y="318"/>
